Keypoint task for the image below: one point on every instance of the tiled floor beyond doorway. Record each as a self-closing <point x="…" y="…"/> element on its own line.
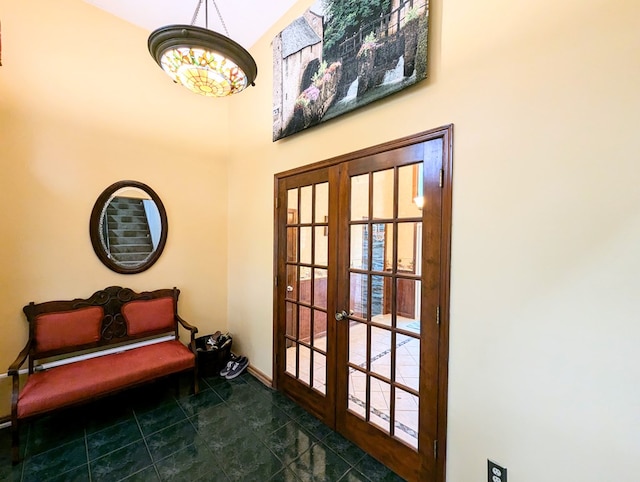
<point x="236" y="430"/>
<point x="407" y="375"/>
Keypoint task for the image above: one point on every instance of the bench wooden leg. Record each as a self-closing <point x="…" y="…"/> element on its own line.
<point x="15" y="442"/>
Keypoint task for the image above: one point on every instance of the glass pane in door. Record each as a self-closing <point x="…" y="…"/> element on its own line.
<point x="360" y="197"/>
<point x="358" y="344"/>
<point x="306" y="204"/>
<point x="306" y="288"/>
<point x="322" y="203"/>
<point x="321" y="253"/>
<point x="406" y="416"/>
<point x="380" y="351"/>
<point x="357" y="392"/>
<point x="320" y="288"/>
<point x="320" y="329"/>
<point x="359" y="249"/>
<point x="383" y="194"/>
<point x="384" y="298"/>
<point x="306" y="245"/>
<point x="410" y="198"/>
<point x="304" y="364"/>
<point x="358" y="288"/>
<point x="380" y="393"/>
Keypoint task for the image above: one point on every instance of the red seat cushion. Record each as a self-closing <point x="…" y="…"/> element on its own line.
<point x="83" y="380"/>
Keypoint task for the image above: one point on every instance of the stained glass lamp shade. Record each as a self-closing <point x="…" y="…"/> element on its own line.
<point x="203" y="61"/>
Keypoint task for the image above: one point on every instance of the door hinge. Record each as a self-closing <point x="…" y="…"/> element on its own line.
<point x="438" y="314"/>
<point x="275" y="280"/>
<point x="435" y="449"/>
<point x="277" y="202"/>
<point x="441" y="177"/>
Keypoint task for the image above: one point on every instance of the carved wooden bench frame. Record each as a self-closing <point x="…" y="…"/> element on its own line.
<point x="113" y="334"/>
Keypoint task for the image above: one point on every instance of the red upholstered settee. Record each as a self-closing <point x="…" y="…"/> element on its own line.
<point x="83" y="349"/>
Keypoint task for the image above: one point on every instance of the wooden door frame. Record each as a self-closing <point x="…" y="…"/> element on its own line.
<point x="446" y="134"/>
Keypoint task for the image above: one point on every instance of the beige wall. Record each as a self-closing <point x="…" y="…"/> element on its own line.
<point x="544" y="362"/>
<point x="73" y="120"/>
<point x="545" y="289"/>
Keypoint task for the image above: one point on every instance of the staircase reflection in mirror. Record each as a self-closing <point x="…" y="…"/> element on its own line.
<point x="128" y="227"/>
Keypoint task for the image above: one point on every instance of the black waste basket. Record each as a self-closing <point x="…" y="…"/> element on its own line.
<point x="214" y="351"/>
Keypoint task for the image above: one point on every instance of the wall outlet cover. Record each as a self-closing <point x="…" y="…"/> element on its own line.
<point x="495" y="473"/>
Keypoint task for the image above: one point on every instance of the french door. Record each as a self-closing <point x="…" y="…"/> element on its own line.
<point x="361" y="297"/>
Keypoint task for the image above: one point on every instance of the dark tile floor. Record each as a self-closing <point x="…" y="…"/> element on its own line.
<point x="237" y="430"/>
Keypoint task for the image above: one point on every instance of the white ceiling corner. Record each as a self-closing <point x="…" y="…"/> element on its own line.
<point x="246" y="20"/>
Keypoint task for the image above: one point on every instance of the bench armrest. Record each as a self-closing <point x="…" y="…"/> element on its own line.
<point x="186" y="325"/>
<point x="19" y="361"/>
<point x="14" y="372"/>
<point x="192" y="329"/>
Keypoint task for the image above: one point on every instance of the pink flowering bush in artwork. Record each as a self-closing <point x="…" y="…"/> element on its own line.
<point x="316" y="99"/>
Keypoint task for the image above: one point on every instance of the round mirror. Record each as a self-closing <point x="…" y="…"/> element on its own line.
<point x="128" y="227"/>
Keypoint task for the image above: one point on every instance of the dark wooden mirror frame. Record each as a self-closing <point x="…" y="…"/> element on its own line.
<point x="96" y="236"/>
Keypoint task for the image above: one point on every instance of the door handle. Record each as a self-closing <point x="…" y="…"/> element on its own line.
<point x="343" y="315"/>
<point x="289" y="289"/>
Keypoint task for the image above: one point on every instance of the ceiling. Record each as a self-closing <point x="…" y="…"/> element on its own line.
<point x="246" y="21"/>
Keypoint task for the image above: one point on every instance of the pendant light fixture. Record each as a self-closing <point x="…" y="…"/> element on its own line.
<point x="203" y="61"/>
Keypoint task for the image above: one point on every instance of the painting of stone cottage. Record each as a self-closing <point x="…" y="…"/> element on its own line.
<point x="341" y="55"/>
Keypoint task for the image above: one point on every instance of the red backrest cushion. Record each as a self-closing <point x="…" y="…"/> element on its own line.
<point x="149" y="315"/>
<point x="68" y="329"/>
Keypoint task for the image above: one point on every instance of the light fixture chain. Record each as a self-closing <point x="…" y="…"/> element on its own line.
<point x="220" y="16"/>
<point x="195" y="14"/>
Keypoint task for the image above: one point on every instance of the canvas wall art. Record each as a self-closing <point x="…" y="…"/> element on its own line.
<point x="341" y="55"/>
